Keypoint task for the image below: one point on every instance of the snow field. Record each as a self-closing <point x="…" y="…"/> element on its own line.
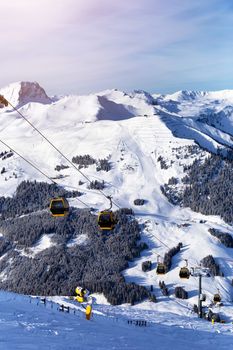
<point x="32" y="325"/>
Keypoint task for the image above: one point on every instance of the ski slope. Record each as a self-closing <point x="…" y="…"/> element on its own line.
<point x="30" y="325"/>
<point x="132" y="131"/>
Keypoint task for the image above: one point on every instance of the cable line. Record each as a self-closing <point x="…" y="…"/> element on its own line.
<point x="28" y="161"/>
<point x="35" y="167"/>
<point x="4" y="100"/>
<point x="165" y="245"/>
<point x="161" y="241"/>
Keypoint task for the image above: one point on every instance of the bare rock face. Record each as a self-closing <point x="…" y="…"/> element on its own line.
<point x="23" y="92"/>
<point x="32" y="92"/>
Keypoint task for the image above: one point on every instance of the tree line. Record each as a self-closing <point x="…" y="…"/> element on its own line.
<point x="57" y="270"/>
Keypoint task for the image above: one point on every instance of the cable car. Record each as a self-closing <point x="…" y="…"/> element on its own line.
<point x="106" y="220"/>
<point x="184" y="271"/>
<point x="3" y="101"/>
<point x="160" y="269"/>
<point x="59" y="207"/>
<point x="217" y="298"/>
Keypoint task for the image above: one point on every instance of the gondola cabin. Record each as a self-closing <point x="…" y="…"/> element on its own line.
<point x="59" y="207"/>
<point x="106" y="220"/>
<point x="160" y="269"/>
<point x="3" y="101"/>
<point x="184" y="273"/>
<point x="217" y="298"/>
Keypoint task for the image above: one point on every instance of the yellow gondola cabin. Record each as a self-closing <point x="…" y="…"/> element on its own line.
<point x="106" y="220"/>
<point x="59" y="207"/>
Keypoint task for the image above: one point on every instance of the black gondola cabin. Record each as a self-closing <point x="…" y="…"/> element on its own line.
<point x="184" y="272"/>
<point x="160" y="269"/>
<point x="217" y="298"/>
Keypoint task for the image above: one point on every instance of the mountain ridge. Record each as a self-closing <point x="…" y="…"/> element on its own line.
<point x="26" y="90"/>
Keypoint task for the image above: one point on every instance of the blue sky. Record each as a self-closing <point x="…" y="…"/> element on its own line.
<point x="84" y="46"/>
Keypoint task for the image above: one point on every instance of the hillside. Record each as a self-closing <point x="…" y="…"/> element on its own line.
<point x="146" y="140"/>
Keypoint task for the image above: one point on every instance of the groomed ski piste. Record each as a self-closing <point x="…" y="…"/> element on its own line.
<point x="28" y="324"/>
<point x="132" y="131"/>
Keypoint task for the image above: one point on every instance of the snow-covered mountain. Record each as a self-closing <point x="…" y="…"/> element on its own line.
<point x="135" y="132"/>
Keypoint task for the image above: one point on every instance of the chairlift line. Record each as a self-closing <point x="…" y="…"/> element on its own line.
<point x="6" y="102"/>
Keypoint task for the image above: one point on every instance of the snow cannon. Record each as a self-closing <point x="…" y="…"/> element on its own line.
<point x="82" y="294"/>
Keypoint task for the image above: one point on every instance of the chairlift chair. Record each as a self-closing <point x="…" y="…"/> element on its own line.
<point x="59" y="207"/>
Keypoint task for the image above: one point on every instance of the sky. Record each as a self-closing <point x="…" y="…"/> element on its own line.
<point x="85" y="46"/>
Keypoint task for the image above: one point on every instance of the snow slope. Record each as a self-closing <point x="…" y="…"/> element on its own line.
<point x="133" y="131"/>
<point x="27" y="324"/>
